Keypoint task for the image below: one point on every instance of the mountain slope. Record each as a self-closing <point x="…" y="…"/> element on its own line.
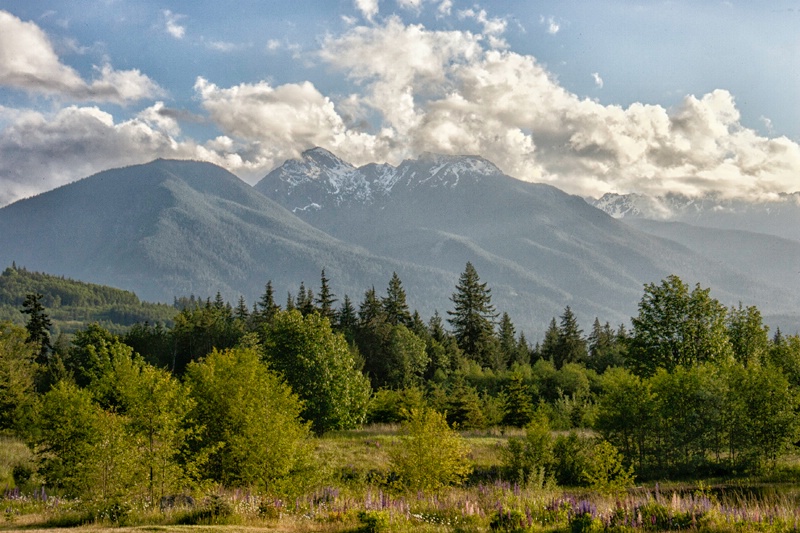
<point x="779" y="216"/>
<point x="171" y="228"/>
<point x="539" y="248"/>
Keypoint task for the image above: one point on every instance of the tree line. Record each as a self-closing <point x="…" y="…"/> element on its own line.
<point x="232" y="394"/>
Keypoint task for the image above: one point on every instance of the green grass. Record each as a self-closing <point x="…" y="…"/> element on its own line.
<point x="13" y="452"/>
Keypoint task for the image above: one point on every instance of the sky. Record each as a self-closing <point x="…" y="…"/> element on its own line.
<point x="690" y="96"/>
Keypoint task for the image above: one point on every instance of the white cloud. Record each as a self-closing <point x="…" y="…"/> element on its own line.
<point x="448" y="92"/>
<point x="493" y="27"/>
<point x="597" y="80"/>
<point x="171" y="24"/>
<point x="552" y="25"/>
<point x="368" y="8"/>
<point x="223" y="46"/>
<point x="415" y="90"/>
<point x="412" y="5"/>
<point x="28" y="62"/>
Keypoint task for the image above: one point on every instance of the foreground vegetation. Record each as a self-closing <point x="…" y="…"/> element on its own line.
<point x="250" y="417"/>
<point x="356" y="493"/>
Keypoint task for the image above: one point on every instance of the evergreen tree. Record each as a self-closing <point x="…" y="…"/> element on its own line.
<point x="326" y="299"/>
<point x="305" y="300"/>
<point x="443" y="348"/>
<point x="38" y="325"/>
<point x="290" y="302"/>
<point x="370" y="309"/>
<point x="517" y="405"/>
<point x="473" y="316"/>
<point x="549" y="345"/>
<point x="571" y="346"/>
<point x="394" y="304"/>
<point x="606" y="347"/>
<point x="464" y="407"/>
<point x="347" y="319"/>
<point x="267" y="304"/>
<point x="241" y="312"/>
<point x="506" y="335"/>
<point x="522" y="355"/>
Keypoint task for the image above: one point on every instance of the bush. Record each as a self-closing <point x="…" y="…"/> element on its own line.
<point x="530" y="458"/>
<point x="605" y="472"/>
<point x="571" y="459"/>
<point x="373" y="521"/>
<point x="430" y="455"/>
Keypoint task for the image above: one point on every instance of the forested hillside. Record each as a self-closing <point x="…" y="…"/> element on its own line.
<point x="72" y="304"/>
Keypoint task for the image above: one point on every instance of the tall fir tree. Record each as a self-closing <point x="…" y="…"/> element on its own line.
<point x="370" y="309"/>
<point x="241" y="312"/>
<point x="325" y="299"/>
<point x="347" y="319"/>
<point x="305" y="300"/>
<point x="522" y="355"/>
<point x="38" y="325"/>
<point x="571" y="347"/>
<point x="517" y="403"/>
<point x="506" y="335"/>
<point x="267" y="304"/>
<point x="473" y="317"/>
<point x="394" y="304"/>
<point x="547" y="350"/>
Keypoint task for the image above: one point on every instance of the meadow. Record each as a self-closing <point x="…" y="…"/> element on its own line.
<point x="354" y="492"/>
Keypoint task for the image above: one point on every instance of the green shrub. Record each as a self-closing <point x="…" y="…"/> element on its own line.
<point x="605" y="472"/>
<point x="571" y="455"/>
<point x="530" y="458"/>
<point x="374" y="521"/>
<point x="430" y="455"/>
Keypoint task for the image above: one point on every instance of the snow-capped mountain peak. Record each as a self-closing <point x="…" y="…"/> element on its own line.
<point x="320" y="178"/>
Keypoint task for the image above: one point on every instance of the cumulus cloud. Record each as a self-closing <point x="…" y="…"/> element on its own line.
<point x="29" y="62"/>
<point x="598" y="81"/>
<point x="40" y="152"/>
<point x="450" y="92"/>
<point x="172" y="25"/>
<point x="368" y="8"/>
<point x="417" y="90"/>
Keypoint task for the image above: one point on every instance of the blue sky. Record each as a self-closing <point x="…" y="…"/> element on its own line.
<point x="593" y="97"/>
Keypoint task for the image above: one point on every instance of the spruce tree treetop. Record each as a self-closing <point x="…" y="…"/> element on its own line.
<point x="370" y="309"/>
<point x="571" y="346"/>
<point x="473" y="316"/>
<point x="38" y="325"/>
<point x="267" y="303"/>
<point x="325" y="299"/>
<point x="394" y="304"/>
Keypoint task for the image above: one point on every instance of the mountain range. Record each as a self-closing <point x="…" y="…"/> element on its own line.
<point x="778" y="215"/>
<point x="172" y="228"/>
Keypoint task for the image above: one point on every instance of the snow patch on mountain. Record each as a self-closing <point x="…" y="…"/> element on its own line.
<point x="319" y="178"/>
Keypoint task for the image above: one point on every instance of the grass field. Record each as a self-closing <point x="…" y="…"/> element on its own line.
<point x="353" y="495"/>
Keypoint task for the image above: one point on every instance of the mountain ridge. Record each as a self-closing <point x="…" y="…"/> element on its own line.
<point x="174" y="228"/>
